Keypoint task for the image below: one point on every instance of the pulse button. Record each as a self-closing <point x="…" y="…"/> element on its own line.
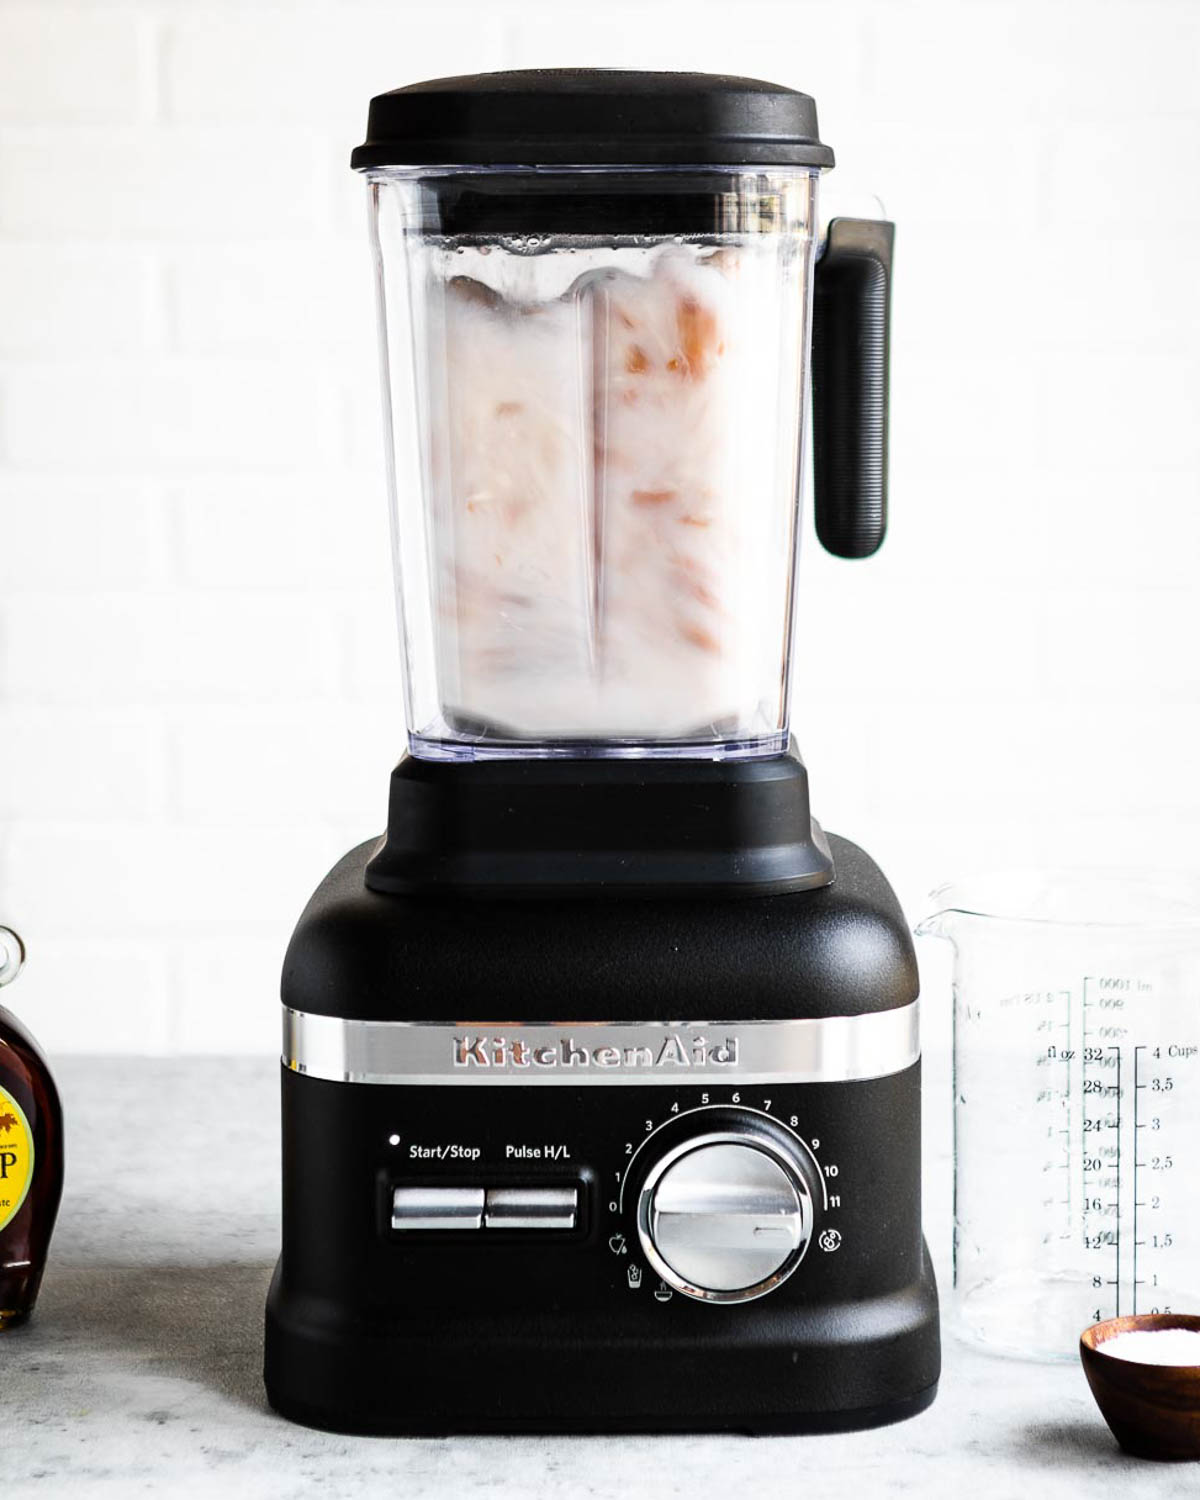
<point x="531" y="1208"/>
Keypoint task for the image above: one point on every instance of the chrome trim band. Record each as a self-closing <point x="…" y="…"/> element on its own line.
<point x="570" y="1054"/>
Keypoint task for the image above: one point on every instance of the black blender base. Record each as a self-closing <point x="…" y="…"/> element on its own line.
<point x="372" y="1328"/>
<point x="789" y="1424"/>
<point x="826" y="1370"/>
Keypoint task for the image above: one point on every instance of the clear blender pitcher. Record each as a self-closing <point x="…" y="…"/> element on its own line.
<point x="595" y="375"/>
<point x="1076" y="1102"/>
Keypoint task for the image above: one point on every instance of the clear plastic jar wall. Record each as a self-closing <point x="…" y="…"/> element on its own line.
<point x="594" y="437"/>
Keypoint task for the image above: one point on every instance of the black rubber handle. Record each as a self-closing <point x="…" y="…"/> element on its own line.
<point x="852" y="302"/>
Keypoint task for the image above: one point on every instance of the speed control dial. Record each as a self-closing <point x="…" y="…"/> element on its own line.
<point x="726" y="1215"/>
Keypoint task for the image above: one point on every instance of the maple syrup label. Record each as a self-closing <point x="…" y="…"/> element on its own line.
<point x="16" y="1156"/>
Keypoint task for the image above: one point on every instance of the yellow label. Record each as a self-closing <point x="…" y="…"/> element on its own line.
<point x="16" y="1156"/>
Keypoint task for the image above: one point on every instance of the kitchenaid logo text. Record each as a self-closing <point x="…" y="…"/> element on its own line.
<point x="503" y="1053"/>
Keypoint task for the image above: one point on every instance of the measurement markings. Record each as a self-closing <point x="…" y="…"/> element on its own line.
<point x="1117" y="1050"/>
<point x="1137" y="1088"/>
<point x="1067" y="1131"/>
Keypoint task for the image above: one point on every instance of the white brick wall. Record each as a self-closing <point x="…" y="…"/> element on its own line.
<point x="199" y="695"/>
<point x="83" y="67"/>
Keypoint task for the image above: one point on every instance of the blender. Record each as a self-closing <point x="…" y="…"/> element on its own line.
<point x="601" y="1069"/>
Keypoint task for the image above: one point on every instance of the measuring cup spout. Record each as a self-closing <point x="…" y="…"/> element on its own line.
<point x="940" y="921"/>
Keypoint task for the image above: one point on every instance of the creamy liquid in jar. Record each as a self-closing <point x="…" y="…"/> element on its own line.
<point x="603" y="469"/>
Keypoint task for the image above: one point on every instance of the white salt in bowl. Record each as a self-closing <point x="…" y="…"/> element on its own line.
<point x="1152" y="1405"/>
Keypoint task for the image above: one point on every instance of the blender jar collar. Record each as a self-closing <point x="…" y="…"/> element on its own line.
<point x="592" y="117"/>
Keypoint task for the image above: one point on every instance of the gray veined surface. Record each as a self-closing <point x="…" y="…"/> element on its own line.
<point x="142" y="1366"/>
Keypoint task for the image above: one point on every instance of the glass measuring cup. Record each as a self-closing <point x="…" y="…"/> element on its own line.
<point x="1076" y="1102"/>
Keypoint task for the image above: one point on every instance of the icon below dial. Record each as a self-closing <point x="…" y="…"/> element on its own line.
<point x="726" y="1216"/>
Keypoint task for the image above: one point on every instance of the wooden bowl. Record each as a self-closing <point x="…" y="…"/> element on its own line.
<point x="1153" y="1410"/>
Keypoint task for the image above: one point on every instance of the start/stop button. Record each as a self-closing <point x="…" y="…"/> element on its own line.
<point x="437" y="1208"/>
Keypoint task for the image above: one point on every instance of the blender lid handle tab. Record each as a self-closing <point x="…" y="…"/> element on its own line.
<point x="852" y="303"/>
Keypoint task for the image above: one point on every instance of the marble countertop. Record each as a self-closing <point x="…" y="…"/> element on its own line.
<point x="141" y="1371"/>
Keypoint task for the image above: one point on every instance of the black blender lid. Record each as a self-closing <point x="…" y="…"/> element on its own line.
<point x="592" y="117"/>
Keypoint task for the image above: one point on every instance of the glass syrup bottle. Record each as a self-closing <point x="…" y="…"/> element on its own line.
<point x="31" y="1153"/>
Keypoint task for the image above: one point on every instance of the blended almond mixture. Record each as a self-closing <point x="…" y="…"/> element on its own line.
<point x="612" y="546"/>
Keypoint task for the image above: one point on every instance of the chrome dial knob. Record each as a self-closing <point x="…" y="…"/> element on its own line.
<point x="726" y="1216"/>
